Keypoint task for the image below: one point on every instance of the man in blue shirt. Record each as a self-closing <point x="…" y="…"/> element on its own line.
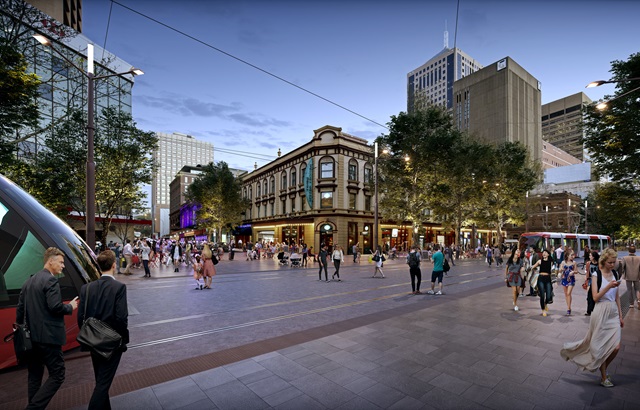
<point x="438" y="270"/>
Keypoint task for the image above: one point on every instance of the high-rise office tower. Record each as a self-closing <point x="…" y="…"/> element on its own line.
<point x="433" y="81"/>
<point x="562" y="123"/>
<point x="68" y="12"/>
<point x="174" y="152"/>
<point x="499" y="103"/>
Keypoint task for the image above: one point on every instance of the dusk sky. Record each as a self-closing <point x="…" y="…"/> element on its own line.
<point x="354" y="53"/>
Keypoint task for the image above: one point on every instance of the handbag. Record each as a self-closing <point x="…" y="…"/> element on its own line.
<point x="96" y="335"/>
<point x="21" y="337"/>
<point x="376" y="258"/>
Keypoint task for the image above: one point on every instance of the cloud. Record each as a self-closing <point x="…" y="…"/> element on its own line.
<point x="186" y="106"/>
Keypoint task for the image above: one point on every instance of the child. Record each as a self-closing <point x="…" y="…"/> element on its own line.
<point x="197" y="272"/>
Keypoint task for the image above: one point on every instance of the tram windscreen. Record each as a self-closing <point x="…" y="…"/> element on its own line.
<point x="527" y="241"/>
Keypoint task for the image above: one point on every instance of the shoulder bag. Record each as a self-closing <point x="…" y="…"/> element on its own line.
<point x="21" y="337"/>
<point x="96" y="335"/>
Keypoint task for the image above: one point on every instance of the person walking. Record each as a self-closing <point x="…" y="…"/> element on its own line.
<point x="322" y="263"/>
<point x="631" y="272"/>
<point x="40" y="302"/>
<point x="438" y="270"/>
<point x="354" y="250"/>
<point x="197" y="272"/>
<point x="568" y="269"/>
<point x="128" y="256"/>
<point x="544" y="280"/>
<point x="106" y="299"/>
<point x="413" y="260"/>
<point x="338" y="257"/>
<point x="208" y="267"/>
<point x="532" y="273"/>
<point x="602" y="342"/>
<point x="146" y="251"/>
<point x="305" y="254"/>
<point x="591" y="268"/>
<point x="176" y="254"/>
<point x="489" y="256"/>
<point x="513" y="275"/>
<point x="378" y="259"/>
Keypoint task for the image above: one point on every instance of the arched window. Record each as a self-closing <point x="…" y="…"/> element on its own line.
<point x="264" y="186"/>
<point x="353" y="170"/>
<point x="283" y="180"/>
<point x="294" y="177"/>
<point x="368" y="174"/>
<point x="258" y="190"/>
<point x="303" y="169"/>
<point x="327" y="168"/>
<point x="273" y="185"/>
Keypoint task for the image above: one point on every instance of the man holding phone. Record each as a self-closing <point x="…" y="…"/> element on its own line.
<point x="40" y="296"/>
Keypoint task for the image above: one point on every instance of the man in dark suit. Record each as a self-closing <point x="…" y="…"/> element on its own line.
<point x="107" y="301"/>
<point x="42" y="299"/>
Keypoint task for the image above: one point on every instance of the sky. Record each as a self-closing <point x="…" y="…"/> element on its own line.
<point x="355" y="53"/>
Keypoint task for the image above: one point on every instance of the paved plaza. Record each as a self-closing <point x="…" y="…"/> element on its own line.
<point x="268" y="336"/>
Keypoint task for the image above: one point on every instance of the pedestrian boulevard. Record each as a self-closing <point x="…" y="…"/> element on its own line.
<point x="466" y="349"/>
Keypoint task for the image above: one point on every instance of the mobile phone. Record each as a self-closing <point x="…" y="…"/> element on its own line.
<point x="619" y="280"/>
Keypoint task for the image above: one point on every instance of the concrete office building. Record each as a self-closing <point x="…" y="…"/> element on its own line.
<point x="68" y="12"/>
<point x="433" y="81"/>
<point x="499" y="103"/>
<point x="174" y="152"/>
<point x="562" y="123"/>
<point x="553" y="157"/>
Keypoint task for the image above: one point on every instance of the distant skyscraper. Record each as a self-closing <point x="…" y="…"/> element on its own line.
<point x="499" y="103"/>
<point x="68" y="12"/>
<point x="433" y="81"/>
<point x="174" y="152"/>
<point x="562" y="123"/>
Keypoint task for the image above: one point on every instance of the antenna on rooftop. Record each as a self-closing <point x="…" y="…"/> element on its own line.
<point x="446" y="35"/>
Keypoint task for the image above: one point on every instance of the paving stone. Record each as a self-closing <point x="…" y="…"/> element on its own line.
<point x="327" y="393"/>
<point x="282" y="396"/>
<point x="532" y="395"/>
<point x="285" y="368"/>
<point x="212" y="378"/>
<point x="468" y="374"/>
<point x="450" y="383"/>
<point x="352" y="361"/>
<point x="499" y="401"/>
<point x="407" y="403"/>
<point x="358" y="403"/>
<point x="205" y="404"/>
<point x="312" y="360"/>
<point x="300" y="402"/>
<point x="477" y="393"/>
<point x="139" y="399"/>
<point x="442" y="399"/>
<point x="244" y="367"/>
<point x="235" y="395"/>
<point x="254" y="377"/>
<point x="342" y="375"/>
<point x="360" y="384"/>
<point x="268" y="386"/>
<point x="382" y="395"/>
<point x="406" y="384"/>
<point x="178" y="393"/>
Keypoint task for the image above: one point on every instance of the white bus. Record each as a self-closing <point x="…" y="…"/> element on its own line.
<point x="577" y="242"/>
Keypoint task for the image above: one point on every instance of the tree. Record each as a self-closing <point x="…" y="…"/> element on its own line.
<point x="18" y="105"/>
<point x="421" y="146"/>
<point x="503" y="189"/>
<point x="612" y="135"/>
<point x="123" y="164"/>
<point x="218" y="192"/>
<point x="614" y="210"/>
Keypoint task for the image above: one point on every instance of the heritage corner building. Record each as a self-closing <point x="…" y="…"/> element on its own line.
<point x="323" y="192"/>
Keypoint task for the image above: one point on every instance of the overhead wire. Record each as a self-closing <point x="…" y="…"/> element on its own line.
<point x="248" y="63"/>
<point x="106" y="34"/>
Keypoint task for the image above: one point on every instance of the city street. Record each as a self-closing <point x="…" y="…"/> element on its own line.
<point x="274" y="336"/>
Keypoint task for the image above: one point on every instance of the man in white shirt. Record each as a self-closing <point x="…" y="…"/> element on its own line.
<point x="128" y="256"/>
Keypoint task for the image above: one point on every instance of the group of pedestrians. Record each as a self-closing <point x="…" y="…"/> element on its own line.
<point x="40" y="306"/>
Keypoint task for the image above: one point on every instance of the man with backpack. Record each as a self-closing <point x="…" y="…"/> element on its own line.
<point x="413" y="260"/>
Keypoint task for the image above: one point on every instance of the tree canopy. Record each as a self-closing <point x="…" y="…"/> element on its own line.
<point x="218" y="193"/>
<point x="612" y="135"/>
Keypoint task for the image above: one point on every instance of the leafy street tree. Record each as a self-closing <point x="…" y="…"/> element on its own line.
<point x="504" y="188"/>
<point x="614" y="210"/>
<point x="123" y="164"/>
<point x="218" y="192"/>
<point x="613" y="134"/>
<point x="421" y="147"/>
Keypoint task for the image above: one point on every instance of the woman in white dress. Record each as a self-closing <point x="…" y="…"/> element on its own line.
<point x="602" y="342"/>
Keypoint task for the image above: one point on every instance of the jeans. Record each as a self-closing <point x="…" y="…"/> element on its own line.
<point x="145" y="263"/>
<point x="416" y="278"/>
<point x="323" y="266"/>
<point x="544" y="291"/>
<point x="336" y="264"/>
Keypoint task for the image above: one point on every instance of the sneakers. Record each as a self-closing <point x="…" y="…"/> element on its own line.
<point x="516" y="308"/>
<point x="569" y="312"/>
<point x="606" y="383"/>
<point x="438" y="293"/>
<point x="544" y="313"/>
<point x="430" y="292"/>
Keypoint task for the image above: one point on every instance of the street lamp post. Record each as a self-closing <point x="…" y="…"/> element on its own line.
<point x="90" y="200"/>
<point x="375" y="196"/>
<point x="603" y="105"/>
<point x="585" y="216"/>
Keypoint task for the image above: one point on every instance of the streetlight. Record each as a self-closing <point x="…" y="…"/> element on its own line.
<point x="375" y="192"/>
<point x="603" y="105"/>
<point x="90" y="205"/>
<point x="585" y="216"/>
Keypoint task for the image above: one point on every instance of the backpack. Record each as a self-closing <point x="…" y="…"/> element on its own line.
<point x="599" y="276"/>
<point x="414" y="262"/>
<point x="445" y="265"/>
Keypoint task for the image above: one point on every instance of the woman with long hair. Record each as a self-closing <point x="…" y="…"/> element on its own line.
<point x="568" y="268"/>
<point x="378" y="262"/>
<point x="602" y="342"/>
<point x="208" y="268"/>
<point x="513" y="275"/>
<point x="590" y="268"/>
<point x="544" y="281"/>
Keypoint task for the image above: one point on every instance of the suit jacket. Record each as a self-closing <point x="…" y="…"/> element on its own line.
<point x="631" y="267"/>
<point x="45" y="310"/>
<point x="107" y="301"/>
